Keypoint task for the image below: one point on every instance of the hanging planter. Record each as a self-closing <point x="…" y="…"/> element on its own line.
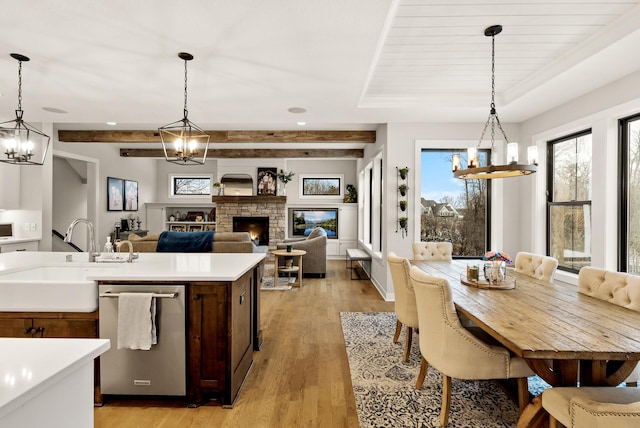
<point x="404" y="223"/>
<point x="403" y="189"/>
<point x="403" y="172"/>
<point x="403" y="205"/>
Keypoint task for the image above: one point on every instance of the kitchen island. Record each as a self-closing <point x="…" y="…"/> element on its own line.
<point x="222" y="306"/>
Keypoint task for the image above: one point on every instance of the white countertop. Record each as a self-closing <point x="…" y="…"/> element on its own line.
<point x="148" y="267"/>
<point x="30" y="366"/>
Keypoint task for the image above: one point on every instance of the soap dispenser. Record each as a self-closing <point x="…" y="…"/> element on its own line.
<point x="108" y="248"/>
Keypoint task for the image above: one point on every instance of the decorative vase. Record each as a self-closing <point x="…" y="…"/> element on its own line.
<point x="282" y="189"/>
<point x="495" y="272"/>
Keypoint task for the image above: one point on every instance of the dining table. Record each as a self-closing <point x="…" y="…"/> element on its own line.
<point x="566" y="338"/>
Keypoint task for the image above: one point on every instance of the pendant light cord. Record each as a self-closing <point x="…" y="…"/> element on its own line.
<point x="186" y="112"/>
<point x="20" y="86"/>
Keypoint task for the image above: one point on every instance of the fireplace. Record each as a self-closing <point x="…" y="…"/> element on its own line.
<point x="258" y="228"/>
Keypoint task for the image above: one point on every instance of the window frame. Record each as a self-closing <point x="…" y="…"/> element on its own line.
<point x="623" y="190"/>
<point x="549" y="192"/>
<point x="171" y="188"/>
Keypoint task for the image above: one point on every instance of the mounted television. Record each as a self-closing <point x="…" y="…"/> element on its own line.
<point x="303" y="220"/>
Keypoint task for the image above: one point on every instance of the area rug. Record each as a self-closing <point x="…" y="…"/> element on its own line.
<point x="384" y="386"/>
<point x="268" y="282"/>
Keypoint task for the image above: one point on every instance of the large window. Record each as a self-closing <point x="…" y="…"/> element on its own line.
<point x="371" y="217"/>
<point x="630" y="195"/>
<point x="569" y="200"/>
<point x="452" y="209"/>
<point x="189" y="186"/>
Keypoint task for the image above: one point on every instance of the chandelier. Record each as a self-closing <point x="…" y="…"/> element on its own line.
<point x="512" y="168"/>
<point x="183" y="142"/>
<point x="23" y="143"/>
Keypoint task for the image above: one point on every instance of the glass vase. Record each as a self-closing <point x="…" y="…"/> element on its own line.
<point x="495" y="272"/>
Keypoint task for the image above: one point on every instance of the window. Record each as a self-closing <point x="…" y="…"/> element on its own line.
<point x="189" y="186"/>
<point x="371" y="183"/>
<point x="629" y="197"/>
<point x="569" y="201"/>
<point x="452" y="209"/>
<point x="322" y="186"/>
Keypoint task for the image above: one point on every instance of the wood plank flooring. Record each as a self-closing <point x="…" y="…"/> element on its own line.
<point x="300" y="378"/>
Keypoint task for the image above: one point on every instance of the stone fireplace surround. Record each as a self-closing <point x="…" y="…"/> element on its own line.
<point x="228" y="207"/>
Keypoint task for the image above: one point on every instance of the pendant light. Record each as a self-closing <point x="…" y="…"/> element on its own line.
<point x="512" y="168"/>
<point x="183" y="142"/>
<point x="23" y="144"/>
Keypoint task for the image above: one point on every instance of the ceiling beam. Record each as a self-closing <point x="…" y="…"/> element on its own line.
<point x="77" y="136"/>
<point x="254" y="153"/>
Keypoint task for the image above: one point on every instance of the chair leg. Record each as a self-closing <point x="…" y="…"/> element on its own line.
<point x="446" y="400"/>
<point x="407" y="345"/>
<point x="424" y="366"/>
<point x="398" y="330"/>
<point x="523" y="393"/>
<point x="553" y="423"/>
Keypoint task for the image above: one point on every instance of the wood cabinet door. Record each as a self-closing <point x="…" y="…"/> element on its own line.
<point x="241" y="342"/>
<point x="209" y="331"/>
<point x="16" y="327"/>
<point x="66" y="328"/>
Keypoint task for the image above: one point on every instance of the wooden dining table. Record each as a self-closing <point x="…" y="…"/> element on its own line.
<point x="567" y="338"/>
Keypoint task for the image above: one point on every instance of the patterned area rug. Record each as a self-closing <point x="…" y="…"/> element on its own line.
<point x="268" y="282"/>
<point x="384" y="386"/>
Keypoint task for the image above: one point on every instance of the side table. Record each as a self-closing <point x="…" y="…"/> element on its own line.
<point x="297" y="269"/>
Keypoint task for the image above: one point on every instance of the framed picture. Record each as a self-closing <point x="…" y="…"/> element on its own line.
<point x="322" y="186"/>
<point x="209" y="227"/>
<point x="130" y="195"/>
<point x="195" y="215"/>
<point x="115" y="192"/>
<point x="178" y="228"/>
<point x="195" y="228"/>
<point x="267" y="181"/>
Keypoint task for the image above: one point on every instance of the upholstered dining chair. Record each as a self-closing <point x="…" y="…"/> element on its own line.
<point x="454" y="350"/>
<point x="432" y="250"/>
<point x="536" y="266"/>
<point x="592" y="406"/>
<point x="405" y="304"/>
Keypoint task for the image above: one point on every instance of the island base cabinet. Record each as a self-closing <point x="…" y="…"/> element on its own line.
<point x="220" y="342"/>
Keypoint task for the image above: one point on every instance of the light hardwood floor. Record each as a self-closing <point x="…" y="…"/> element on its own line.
<point x="300" y="378"/>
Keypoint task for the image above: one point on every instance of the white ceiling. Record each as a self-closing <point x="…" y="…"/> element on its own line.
<point x="350" y="63"/>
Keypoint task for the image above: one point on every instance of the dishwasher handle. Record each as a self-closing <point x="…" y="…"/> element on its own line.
<point x="156" y="295"/>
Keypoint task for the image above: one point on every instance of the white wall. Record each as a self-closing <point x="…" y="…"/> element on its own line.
<point x="70" y="196"/>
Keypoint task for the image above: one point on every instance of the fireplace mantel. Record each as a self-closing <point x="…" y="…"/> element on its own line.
<point x="249" y="199"/>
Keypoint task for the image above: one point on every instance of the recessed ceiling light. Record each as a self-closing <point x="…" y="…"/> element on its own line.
<point x="297" y="110"/>
<point x="301" y="123"/>
<point x="54" y="110"/>
<point x="112" y="123"/>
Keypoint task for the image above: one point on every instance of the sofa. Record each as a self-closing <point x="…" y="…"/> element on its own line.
<point x="223" y="242"/>
<point x="314" y="263"/>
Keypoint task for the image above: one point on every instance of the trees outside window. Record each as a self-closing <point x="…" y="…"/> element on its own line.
<point x="452" y="209"/>
<point x="629" y="260"/>
<point x="569" y="200"/>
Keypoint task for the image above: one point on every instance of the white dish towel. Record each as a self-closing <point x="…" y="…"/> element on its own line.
<point x="136" y="321"/>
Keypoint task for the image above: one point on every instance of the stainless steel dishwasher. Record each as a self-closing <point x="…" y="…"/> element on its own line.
<point x="158" y="371"/>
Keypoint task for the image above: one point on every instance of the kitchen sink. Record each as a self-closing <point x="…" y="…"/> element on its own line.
<point x="50" y="288"/>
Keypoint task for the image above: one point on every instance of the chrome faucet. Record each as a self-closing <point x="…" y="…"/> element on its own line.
<point x="93" y="252"/>
<point x="132" y="255"/>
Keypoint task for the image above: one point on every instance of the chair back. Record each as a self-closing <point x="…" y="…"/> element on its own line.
<point x="536" y="266"/>
<point x="444" y="342"/>
<point x="405" y="304"/>
<point x="432" y="251"/>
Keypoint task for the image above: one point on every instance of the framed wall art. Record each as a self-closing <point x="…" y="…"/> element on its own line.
<point x="115" y="192"/>
<point x="267" y="181"/>
<point x="322" y="186"/>
<point x="130" y="195"/>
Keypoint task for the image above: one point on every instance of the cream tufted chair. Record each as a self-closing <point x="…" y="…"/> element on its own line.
<point x="432" y="250"/>
<point x="536" y="266"/>
<point x="405" y="305"/>
<point x="592" y="406"/>
<point x="618" y="288"/>
<point x="454" y="350"/>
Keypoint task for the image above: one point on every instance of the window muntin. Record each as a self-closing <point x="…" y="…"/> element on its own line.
<point x="452" y="209"/>
<point x="569" y="200"/>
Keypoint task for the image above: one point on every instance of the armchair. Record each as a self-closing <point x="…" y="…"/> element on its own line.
<point x="454" y="350"/>
<point x="593" y="406"/>
<point x="405" y="304"/>
<point x="315" y="244"/>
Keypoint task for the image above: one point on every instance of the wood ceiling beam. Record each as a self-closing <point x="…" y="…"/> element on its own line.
<point x="254" y="153"/>
<point x="77" y="136"/>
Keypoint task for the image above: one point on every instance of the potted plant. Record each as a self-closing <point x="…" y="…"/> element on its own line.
<point x="216" y="188"/>
<point x="403" y="172"/>
<point x="352" y="194"/>
<point x="284" y="178"/>
<point x="403" y="222"/>
<point x="403" y="189"/>
<point x="403" y="205"/>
